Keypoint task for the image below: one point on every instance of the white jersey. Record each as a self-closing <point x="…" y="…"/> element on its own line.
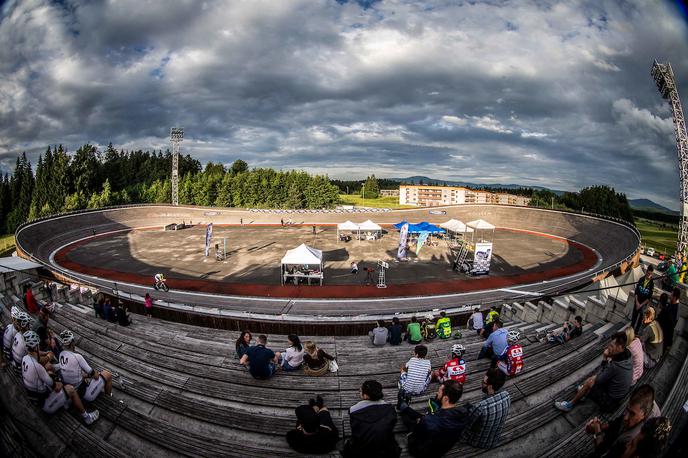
<point x="477" y="318"/>
<point x="35" y="376"/>
<point x="72" y="366"/>
<point x="19" y="348"/>
<point x="8" y="337"/>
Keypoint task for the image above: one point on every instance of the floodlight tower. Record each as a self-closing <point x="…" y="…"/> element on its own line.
<point x="176" y="137"/>
<point x="664" y="77"/>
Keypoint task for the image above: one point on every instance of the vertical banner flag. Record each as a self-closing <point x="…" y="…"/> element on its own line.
<point x="208" y="237"/>
<point x="403" y="238"/>
<point x="483" y="258"/>
<point x="421" y="240"/>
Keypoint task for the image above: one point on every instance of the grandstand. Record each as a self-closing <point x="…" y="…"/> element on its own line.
<point x="180" y="391"/>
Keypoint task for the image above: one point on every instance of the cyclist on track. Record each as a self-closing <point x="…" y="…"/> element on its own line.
<point x="159" y="281"/>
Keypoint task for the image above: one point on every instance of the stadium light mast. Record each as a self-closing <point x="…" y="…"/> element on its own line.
<point x="176" y="137"/>
<point x="664" y="77"/>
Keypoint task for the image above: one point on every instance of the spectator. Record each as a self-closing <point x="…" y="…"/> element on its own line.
<point x="243" y="343"/>
<point x="8" y="336"/>
<point x="50" y="395"/>
<point x="486" y="418"/>
<point x="443" y="326"/>
<point x="635" y="346"/>
<point x="492" y="315"/>
<point x="651" y="440"/>
<point x="372" y="425"/>
<point x="454" y="369"/>
<point x="315" y="431"/>
<point x="570" y="330"/>
<point x="73" y="366"/>
<point x="395" y="332"/>
<point x="476" y="320"/>
<point x="612" y="381"/>
<point x="98" y="307"/>
<point x="413" y="334"/>
<point x="643" y="297"/>
<point x="30" y="301"/>
<point x="148" y="305"/>
<point x="415" y="375"/>
<point x="49" y="346"/>
<point x="316" y="360"/>
<point x="19" y="349"/>
<point x="496" y="342"/>
<point x="670" y="276"/>
<point x="668" y="318"/>
<point x="261" y="361"/>
<point x="293" y="356"/>
<point x="380" y="334"/>
<point x="109" y="312"/>
<point x="652" y="338"/>
<point x="511" y="360"/>
<point x="435" y="434"/>
<point x="354" y="268"/>
<point x="123" y="318"/>
<point x="612" y="438"/>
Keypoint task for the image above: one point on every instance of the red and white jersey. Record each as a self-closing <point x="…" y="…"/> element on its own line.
<point x="514" y="360"/>
<point x="454" y="369"/>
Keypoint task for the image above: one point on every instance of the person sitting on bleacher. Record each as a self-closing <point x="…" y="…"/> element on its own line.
<point x="316" y="361"/>
<point x="18" y="345"/>
<point x="635" y="346"/>
<point x="612" y="381"/>
<point x="372" y="425"/>
<point x="413" y="333"/>
<point x="315" y="431"/>
<point x="243" y="343"/>
<point x="454" y="369"/>
<point x="73" y="366"/>
<point x="443" y="327"/>
<point x="380" y="334"/>
<point x="50" y="394"/>
<point x="8" y="336"/>
<point x="492" y="315"/>
<point x="652" y="339"/>
<point x="570" y="330"/>
<point x="476" y="320"/>
<point x="511" y="360"/>
<point x="49" y="344"/>
<point x="30" y="301"/>
<point x="434" y="434"/>
<point x="496" y="342"/>
<point x="612" y="438"/>
<point x="486" y="418"/>
<point x="652" y="439"/>
<point x="123" y="318"/>
<point x="395" y="332"/>
<point x="415" y="375"/>
<point x="261" y="361"/>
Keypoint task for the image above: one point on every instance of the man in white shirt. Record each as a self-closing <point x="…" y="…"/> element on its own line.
<point x="73" y="366"/>
<point x="18" y="345"/>
<point x="51" y="395"/>
<point x="8" y="336"/>
<point x="476" y="320"/>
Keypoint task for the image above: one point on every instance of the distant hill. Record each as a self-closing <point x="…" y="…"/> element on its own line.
<point x="650" y="206"/>
<point x="426" y="180"/>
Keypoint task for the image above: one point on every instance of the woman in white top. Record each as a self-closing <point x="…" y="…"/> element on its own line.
<point x="293" y="357"/>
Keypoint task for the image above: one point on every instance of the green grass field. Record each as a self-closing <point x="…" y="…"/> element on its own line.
<point x="380" y="202"/>
<point x="662" y="239"/>
<point x="6" y="243"/>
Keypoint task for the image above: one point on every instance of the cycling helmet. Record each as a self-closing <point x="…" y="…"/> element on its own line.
<point x="15" y="312"/>
<point x="49" y="307"/>
<point x="31" y="339"/>
<point x="513" y="335"/>
<point x="23" y="319"/>
<point x="458" y="350"/>
<point x="66" y="337"/>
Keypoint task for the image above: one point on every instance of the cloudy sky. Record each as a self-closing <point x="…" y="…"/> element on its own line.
<point x="547" y="93"/>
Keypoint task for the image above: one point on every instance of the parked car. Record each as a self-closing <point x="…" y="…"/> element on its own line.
<point x="438" y="212"/>
<point x="650" y="251"/>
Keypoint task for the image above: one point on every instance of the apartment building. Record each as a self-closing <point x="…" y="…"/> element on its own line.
<point x="432" y="196"/>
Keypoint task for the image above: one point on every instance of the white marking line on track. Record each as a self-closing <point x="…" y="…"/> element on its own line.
<point x="527" y="293"/>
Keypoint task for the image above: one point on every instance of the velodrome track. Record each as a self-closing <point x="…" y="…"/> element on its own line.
<point x="612" y="242"/>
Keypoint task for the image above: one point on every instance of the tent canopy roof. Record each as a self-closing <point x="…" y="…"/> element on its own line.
<point x="455" y="225"/>
<point x="421" y="227"/>
<point x="480" y="224"/>
<point x="14" y="263"/>
<point x="369" y="226"/>
<point x="347" y="226"/>
<point x="303" y="254"/>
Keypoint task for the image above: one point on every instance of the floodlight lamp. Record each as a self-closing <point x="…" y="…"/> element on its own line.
<point x="177" y="134"/>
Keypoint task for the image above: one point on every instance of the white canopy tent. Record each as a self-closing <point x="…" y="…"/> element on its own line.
<point x="370" y="227"/>
<point x="302" y="256"/>
<point x="346" y="226"/>
<point x="454" y="225"/>
<point x="481" y="225"/>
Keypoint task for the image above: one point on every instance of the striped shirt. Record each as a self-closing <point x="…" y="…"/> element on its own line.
<point x="487" y="420"/>
<point x="417" y="373"/>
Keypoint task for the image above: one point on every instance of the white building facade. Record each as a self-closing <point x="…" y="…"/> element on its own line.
<point x="433" y="196"/>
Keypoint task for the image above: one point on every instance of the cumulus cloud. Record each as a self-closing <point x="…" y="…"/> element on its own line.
<point x="535" y="92"/>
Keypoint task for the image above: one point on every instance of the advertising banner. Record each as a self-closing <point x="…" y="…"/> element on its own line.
<point x="482" y="259"/>
<point x="208" y="237"/>
<point x="403" y="239"/>
<point x="421" y="240"/>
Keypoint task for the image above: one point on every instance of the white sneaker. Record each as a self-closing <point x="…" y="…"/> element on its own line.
<point x="91" y="417"/>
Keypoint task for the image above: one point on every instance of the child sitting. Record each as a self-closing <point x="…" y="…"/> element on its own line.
<point x="415" y="375"/>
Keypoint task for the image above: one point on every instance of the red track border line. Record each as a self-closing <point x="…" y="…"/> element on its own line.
<point x="431" y="288"/>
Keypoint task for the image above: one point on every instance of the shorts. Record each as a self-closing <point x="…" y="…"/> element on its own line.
<point x="413" y="392"/>
<point x="602" y="399"/>
<point x="93" y="389"/>
<point x="51" y="401"/>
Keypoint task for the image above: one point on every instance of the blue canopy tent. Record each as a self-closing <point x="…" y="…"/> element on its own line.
<point x="421" y="227"/>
